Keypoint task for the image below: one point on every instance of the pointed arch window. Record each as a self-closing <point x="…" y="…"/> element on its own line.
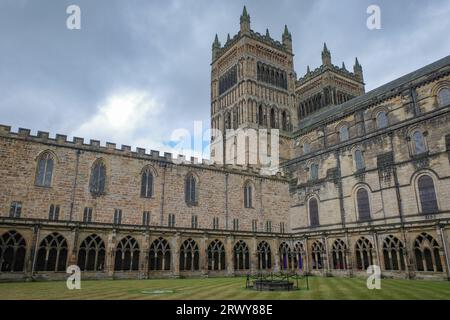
<point x="159" y="255"/>
<point x="12" y="252"/>
<point x="147" y="183"/>
<point x="216" y="255"/>
<point x="285" y="256"/>
<point x="313" y="212"/>
<point x="393" y="253"/>
<point x="91" y="254"/>
<point x="190" y="190"/>
<point x="382" y="120"/>
<point x="98" y="178"/>
<point x="362" y="199"/>
<point x="52" y="253"/>
<point x="444" y="97"/>
<point x="359" y="160"/>
<point x="316" y="255"/>
<point x="364" y="253"/>
<point x="427" y="195"/>
<point x="418" y="140"/>
<point x="189" y="256"/>
<point x="127" y="255"/>
<point x="44" y="171"/>
<point x="427" y="254"/>
<point x="241" y="256"/>
<point x="264" y="256"/>
<point x="339" y="251"/>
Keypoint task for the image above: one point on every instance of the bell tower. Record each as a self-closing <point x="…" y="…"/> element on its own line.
<point x="252" y="90"/>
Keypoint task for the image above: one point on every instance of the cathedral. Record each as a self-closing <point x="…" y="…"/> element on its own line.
<point x="361" y="179"/>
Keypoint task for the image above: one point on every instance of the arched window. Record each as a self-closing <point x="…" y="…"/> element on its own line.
<point x="343" y="133"/>
<point x="298" y="256"/>
<point x="264" y="256"/>
<point x="159" y="255"/>
<point x="316" y="255"/>
<point x="419" y="146"/>
<point x="306" y="148"/>
<point x="241" y="256"/>
<point x="339" y="251"/>
<point x="12" y="252"/>
<point x="127" y="255"/>
<point x="314" y="171"/>
<point x="359" y="160"/>
<point x="427" y="195"/>
<point x="363" y="252"/>
<point x="260" y="116"/>
<point x="44" y="171"/>
<point x="393" y="253"/>
<point x="313" y="212"/>
<point x="147" y="183"/>
<point x="189" y="256"/>
<point x="91" y="255"/>
<point x="444" y="97"/>
<point x="248" y="197"/>
<point x="272" y="118"/>
<point x="426" y="252"/>
<point x="52" y="253"/>
<point x="362" y="199"/>
<point x="98" y="178"/>
<point x="190" y="190"/>
<point x="285" y="256"/>
<point x="382" y="120"/>
<point x="284" y="120"/>
<point x="216" y="255"/>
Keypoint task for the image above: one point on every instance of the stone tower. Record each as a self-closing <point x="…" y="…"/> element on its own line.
<point x="252" y="88"/>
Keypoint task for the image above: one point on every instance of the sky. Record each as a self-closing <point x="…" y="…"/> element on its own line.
<point x="138" y="71"/>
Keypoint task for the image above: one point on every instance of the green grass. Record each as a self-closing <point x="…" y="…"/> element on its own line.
<point x="224" y="288"/>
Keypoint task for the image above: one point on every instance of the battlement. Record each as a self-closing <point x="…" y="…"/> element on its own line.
<point x="339" y="70"/>
<point x="60" y="140"/>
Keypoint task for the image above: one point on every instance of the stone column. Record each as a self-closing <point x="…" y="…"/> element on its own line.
<point x="445" y="258"/>
<point x="175" y="249"/>
<point x="229" y="255"/>
<point x="73" y="250"/>
<point x="375" y="241"/>
<point x="32" y="253"/>
<point x="253" y="256"/>
<point x="110" y="253"/>
<point x="203" y="261"/>
<point x="275" y="248"/>
<point x="144" y="256"/>
<point x="326" y="256"/>
<point x="306" y="268"/>
<point x="349" y="253"/>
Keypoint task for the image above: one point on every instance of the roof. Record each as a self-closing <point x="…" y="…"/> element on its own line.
<point x="328" y="113"/>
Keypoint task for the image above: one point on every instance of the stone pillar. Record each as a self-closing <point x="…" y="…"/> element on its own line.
<point x="326" y="256"/>
<point x="144" y="256"/>
<point x="110" y="253"/>
<point x="32" y="253"/>
<point x="229" y="255"/>
<point x="307" y="268"/>
<point x="350" y="255"/>
<point x="377" y="253"/>
<point x="253" y="255"/>
<point x="275" y="248"/>
<point x="175" y="249"/>
<point x="445" y="258"/>
<point x="73" y="250"/>
<point x="203" y="261"/>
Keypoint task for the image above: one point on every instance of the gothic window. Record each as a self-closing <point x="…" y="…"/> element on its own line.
<point x="216" y="255"/>
<point x="427" y="195"/>
<point x="364" y="254"/>
<point x="362" y="199"/>
<point x="313" y="212"/>
<point x="190" y="190"/>
<point x="241" y="256"/>
<point x="426" y="252"/>
<point x="306" y="148"/>
<point x="117" y="216"/>
<point x="316" y="255"/>
<point x="127" y="255"/>
<point x="298" y="255"/>
<point x="264" y="256"/>
<point x="87" y="215"/>
<point x="359" y="160"/>
<point x="382" y="120"/>
<point x="171" y="220"/>
<point x="216" y="223"/>
<point x="12" y="252"/>
<point x="235" y="224"/>
<point x="343" y="133"/>
<point x="285" y="256"/>
<point x="419" y="146"/>
<point x="147" y="183"/>
<point x="194" y="222"/>
<point x="146" y="218"/>
<point x="98" y="178"/>
<point x="444" y="97"/>
<point x="254" y="225"/>
<point x="393" y="253"/>
<point x="91" y="254"/>
<point x="248" y="197"/>
<point x="52" y="253"/>
<point x="159" y="255"/>
<point x="44" y="170"/>
<point x="268" y="226"/>
<point x="314" y="175"/>
<point x="189" y="256"/>
<point x="15" y="209"/>
<point x="339" y="252"/>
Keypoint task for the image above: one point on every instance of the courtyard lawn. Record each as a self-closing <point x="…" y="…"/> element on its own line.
<point x="224" y="288"/>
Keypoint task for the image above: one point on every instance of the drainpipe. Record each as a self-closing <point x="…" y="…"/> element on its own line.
<point x="72" y="201"/>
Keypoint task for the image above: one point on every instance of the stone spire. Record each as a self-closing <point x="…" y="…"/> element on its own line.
<point x="357" y="70"/>
<point x="228" y="38"/>
<point x="343" y="66"/>
<point x="326" y="56"/>
<point x="267" y="33"/>
<point x="245" y="21"/>
<point x="308" y="71"/>
<point x="287" y="39"/>
<point x="215" y="47"/>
